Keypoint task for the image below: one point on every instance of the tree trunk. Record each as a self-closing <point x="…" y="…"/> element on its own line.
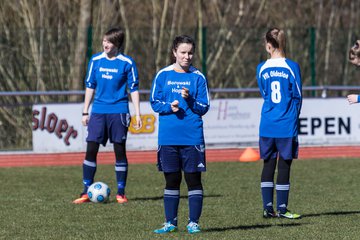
<point x="328" y="42"/>
<point x="78" y="70"/>
<point x="161" y="35"/>
<point x="349" y="39"/>
<point x="126" y="26"/>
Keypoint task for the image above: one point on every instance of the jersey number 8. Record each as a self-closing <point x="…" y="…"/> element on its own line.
<point x="275" y="92"/>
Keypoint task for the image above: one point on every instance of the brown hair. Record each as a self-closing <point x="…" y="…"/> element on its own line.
<point x="276" y="38"/>
<point x="115" y="36"/>
<point x="355" y="51"/>
<point x="177" y="41"/>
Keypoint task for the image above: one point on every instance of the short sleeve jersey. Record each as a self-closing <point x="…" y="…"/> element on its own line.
<point x="111" y="78"/>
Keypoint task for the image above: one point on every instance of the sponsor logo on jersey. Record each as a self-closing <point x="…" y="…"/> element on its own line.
<point x="107" y="70"/>
<point x="187" y="83"/>
<point x="176" y="90"/>
<point x="179" y="85"/>
<point x="106" y="76"/>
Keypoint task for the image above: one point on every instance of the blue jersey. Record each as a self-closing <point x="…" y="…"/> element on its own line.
<point x="110" y="79"/>
<point x="184" y="127"/>
<point x="279" y="81"/>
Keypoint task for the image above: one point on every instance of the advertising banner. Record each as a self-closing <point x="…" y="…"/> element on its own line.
<point x="229" y="123"/>
<point x="57" y="128"/>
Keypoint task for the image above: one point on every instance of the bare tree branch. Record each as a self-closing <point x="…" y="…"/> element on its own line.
<point x="173" y="26"/>
<point x="126" y="26"/>
<point x="78" y="69"/>
<point x="161" y="35"/>
<point x="328" y="41"/>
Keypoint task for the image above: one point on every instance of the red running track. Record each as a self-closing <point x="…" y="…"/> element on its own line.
<point x="136" y="157"/>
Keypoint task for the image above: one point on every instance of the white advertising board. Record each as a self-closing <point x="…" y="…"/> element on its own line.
<point x="58" y="128"/>
<point x="329" y="122"/>
<point x="229" y="123"/>
<point x="232" y="122"/>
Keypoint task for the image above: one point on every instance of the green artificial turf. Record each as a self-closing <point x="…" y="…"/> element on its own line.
<point x="36" y="203"/>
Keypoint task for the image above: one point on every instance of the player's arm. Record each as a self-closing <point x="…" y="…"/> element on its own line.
<point x="157" y="100"/>
<point x="89" y="93"/>
<point x="297" y="88"/>
<point x="259" y="81"/>
<point x="90" y="84"/>
<point x="201" y="103"/>
<point x="132" y="76"/>
<point x="133" y="85"/>
<point x="353" y="98"/>
<point x="135" y="98"/>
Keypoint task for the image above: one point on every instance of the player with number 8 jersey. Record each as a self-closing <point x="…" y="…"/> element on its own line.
<point x="279" y="81"/>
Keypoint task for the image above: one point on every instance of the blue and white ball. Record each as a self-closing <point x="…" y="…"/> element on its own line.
<point x="99" y="192"/>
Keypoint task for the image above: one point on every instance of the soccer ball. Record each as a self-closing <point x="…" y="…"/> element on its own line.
<point x="99" y="192"/>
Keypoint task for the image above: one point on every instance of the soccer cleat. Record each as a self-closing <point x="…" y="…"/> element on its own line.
<point x="121" y="198"/>
<point x="167" y="228"/>
<point x="193" y="227"/>
<point x="269" y="214"/>
<point x="82" y="199"/>
<point x="289" y="215"/>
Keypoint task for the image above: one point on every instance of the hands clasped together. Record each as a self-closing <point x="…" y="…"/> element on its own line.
<point x="175" y="103"/>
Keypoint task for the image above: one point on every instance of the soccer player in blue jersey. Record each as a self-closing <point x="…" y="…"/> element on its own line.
<point x="110" y="74"/>
<point x="280" y="85"/>
<point x="180" y="95"/>
<point x="354" y="58"/>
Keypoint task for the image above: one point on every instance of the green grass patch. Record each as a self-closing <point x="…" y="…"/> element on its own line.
<point x="35" y="203"/>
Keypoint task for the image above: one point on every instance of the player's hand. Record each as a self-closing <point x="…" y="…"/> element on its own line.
<point x="85" y="120"/>
<point x="138" y="124"/>
<point x="175" y="106"/>
<point x="352" y="98"/>
<point x="185" y="92"/>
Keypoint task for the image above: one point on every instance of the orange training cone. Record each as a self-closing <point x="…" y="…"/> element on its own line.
<point x="249" y="155"/>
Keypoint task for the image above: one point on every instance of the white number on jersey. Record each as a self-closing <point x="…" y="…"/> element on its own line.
<point x="275" y="92"/>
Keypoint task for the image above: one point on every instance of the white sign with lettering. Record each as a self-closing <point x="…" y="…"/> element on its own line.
<point x="229" y="123"/>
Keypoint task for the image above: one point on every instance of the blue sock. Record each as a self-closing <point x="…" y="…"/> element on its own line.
<point x="89" y="170"/>
<point x="267" y="192"/>
<point x="171" y="204"/>
<point x="195" y="204"/>
<point x="282" y="197"/>
<point x="121" y="169"/>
